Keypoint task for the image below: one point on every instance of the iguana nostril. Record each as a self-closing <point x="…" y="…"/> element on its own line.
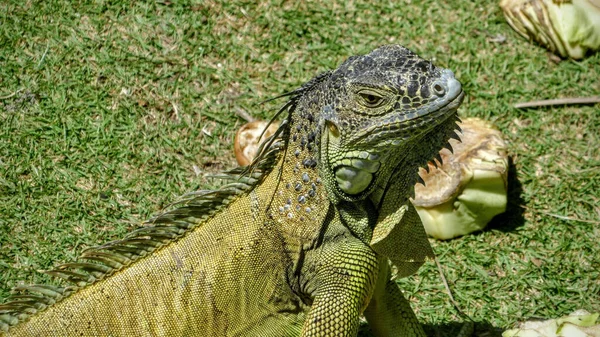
<point x="438" y="89"/>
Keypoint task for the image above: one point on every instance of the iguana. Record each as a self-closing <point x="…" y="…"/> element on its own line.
<point x="297" y="244"/>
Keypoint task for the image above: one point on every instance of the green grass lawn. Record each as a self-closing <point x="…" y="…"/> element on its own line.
<point x="109" y="111"/>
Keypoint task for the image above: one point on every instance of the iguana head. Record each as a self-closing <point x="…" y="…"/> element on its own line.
<point x="375" y="109"/>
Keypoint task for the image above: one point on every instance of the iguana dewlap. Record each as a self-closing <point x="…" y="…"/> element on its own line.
<point x="297" y="244"/>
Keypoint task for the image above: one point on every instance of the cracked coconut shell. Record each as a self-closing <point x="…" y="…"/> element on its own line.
<point x="247" y="140"/>
<point x="469" y="188"/>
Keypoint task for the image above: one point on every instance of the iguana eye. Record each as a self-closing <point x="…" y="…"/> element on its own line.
<point x="371" y="99"/>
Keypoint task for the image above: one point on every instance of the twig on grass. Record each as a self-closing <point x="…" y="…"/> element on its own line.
<point x="559" y="101"/>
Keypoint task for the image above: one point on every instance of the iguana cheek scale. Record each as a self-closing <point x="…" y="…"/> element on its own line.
<point x="297" y="244"/>
<point x="353" y="173"/>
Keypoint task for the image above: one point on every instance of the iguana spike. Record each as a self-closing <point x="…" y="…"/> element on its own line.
<point x="148" y="248"/>
<point x="204" y="205"/>
<point x="238" y="175"/>
<point x="128" y="251"/>
<point x="455" y="135"/>
<point x="38" y="305"/>
<point x="44" y="289"/>
<point x="185" y="223"/>
<point x="193" y="194"/>
<point x="163" y="219"/>
<point x="227" y="191"/>
<point x="223" y="176"/>
<point x="254" y="175"/>
<point x="3" y="326"/>
<point x="199" y="196"/>
<point x="31" y="297"/>
<point x="163" y="237"/>
<point x="171" y="218"/>
<point x="131" y="248"/>
<point x="109" y="256"/>
<point x="160" y="229"/>
<point x="420" y="180"/>
<point x="108" y="262"/>
<point x="457" y="124"/>
<point x="241" y="172"/>
<point x="248" y="180"/>
<point x="29" y="302"/>
<point x="87" y="267"/>
<point x="237" y="186"/>
<point x="203" y="200"/>
<point x="144" y="242"/>
<point x="449" y="147"/>
<point x="4" y="311"/>
<point x="152" y="230"/>
<point x="195" y="201"/>
<point x="438" y="156"/>
<point x="26" y="309"/>
<point x="18" y="306"/>
<point x="7" y="320"/>
<point x="77" y="278"/>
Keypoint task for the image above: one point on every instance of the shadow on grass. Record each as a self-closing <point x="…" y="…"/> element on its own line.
<point x="482" y="329"/>
<point x="513" y="217"/>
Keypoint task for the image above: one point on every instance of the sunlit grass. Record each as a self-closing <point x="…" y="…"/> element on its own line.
<point x="109" y="111"/>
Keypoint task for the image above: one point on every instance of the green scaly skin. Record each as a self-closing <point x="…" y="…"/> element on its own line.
<point x="297" y="245"/>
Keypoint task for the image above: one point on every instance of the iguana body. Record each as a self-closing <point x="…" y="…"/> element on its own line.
<point x="298" y="245"/>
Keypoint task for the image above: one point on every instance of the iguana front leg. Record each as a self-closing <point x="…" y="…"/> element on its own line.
<point x="345" y="279"/>
<point x="389" y="314"/>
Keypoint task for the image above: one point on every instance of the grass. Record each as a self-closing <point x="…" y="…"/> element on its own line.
<point x="109" y="111"/>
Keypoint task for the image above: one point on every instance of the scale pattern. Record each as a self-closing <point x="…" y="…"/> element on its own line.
<point x="298" y="244"/>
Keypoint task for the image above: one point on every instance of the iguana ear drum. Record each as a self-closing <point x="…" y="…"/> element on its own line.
<point x="352" y="180"/>
<point x="355" y="174"/>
